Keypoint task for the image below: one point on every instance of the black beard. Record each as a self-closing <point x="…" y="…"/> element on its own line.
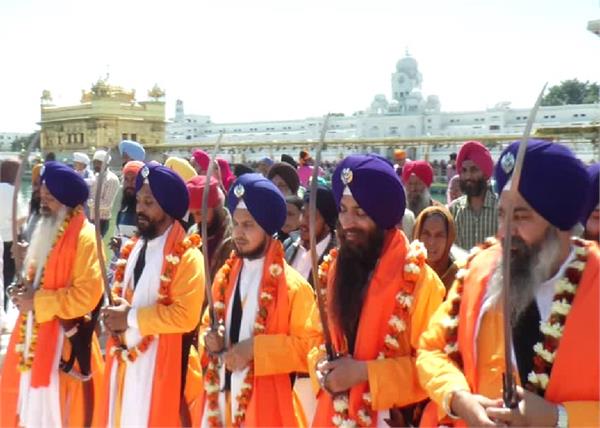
<point x="257" y="253"/>
<point x="128" y="201"/>
<point x="473" y="188"/>
<point x="148" y="232"/>
<point x="354" y="266"/>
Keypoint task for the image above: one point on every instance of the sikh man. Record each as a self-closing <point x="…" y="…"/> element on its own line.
<point x="417" y="177"/>
<point x="158" y="289"/>
<point x="554" y="309"/>
<point x="475" y="213"/>
<point x="53" y="347"/>
<point x="131" y="151"/>
<point x="285" y="177"/>
<point x="220" y="241"/>
<point x="110" y="188"/>
<point x="591" y="214"/>
<point x="380" y="294"/>
<point x="126" y="220"/>
<point x="264" y="311"/>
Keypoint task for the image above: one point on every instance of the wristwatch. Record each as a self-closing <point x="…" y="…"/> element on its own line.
<point x="562" y="421"/>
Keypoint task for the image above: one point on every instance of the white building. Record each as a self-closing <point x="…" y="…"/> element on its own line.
<point x="7" y="138"/>
<point x="407" y="115"/>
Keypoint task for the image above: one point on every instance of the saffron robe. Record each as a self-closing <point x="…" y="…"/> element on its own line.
<point x="74" y="260"/>
<point x="392" y="381"/>
<point x="574" y="377"/>
<point x="159" y="401"/>
<point x="292" y="330"/>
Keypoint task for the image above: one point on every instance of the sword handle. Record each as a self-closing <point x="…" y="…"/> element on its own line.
<point x="509" y="391"/>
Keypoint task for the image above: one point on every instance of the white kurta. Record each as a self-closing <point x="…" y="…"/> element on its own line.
<point x="249" y="282"/>
<point x="139" y="375"/>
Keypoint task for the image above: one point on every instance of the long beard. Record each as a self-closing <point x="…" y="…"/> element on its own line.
<point x="419" y="202"/>
<point x="354" y="265"/>
<point x="529" y="268"/>
<point x="43" y="238"/>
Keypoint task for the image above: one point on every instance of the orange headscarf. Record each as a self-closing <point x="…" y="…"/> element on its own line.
<point x="448" y="277"/>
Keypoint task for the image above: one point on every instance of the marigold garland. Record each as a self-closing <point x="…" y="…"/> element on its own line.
<point x="552" y="330"/>
<point x="267" y="295"/>
<point x="25" y="363"/>
<point x="120" y="351"/>
<point x="397" y="325"/>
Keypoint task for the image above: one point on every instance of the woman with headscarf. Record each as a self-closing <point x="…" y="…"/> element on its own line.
<point x="435" y="228"/>
<point x="453" y="192"/>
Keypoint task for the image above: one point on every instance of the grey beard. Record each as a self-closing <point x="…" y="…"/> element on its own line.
<point x="528" y="272"/>
<point x="418" y="205"/>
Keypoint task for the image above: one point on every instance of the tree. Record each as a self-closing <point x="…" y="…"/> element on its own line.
<point x="572" y="92"/>
<point x="22" y="142"/>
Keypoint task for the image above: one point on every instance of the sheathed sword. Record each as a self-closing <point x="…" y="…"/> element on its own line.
<point x="509" y="391"/>
<point x="314" y="258"/>
<point x="204" y="232"/>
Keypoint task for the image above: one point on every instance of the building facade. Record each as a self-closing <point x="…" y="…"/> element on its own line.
<point x="7" y="138"/>
<point x="106" y="115"/>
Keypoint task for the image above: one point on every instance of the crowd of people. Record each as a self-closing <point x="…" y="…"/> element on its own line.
<point x="402" y="324"/>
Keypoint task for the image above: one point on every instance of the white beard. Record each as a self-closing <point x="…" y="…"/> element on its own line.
<point x="42" y="241"/>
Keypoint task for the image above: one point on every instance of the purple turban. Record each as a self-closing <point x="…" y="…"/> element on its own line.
<point x="262" y="198"/>
<point x="553" y="181"/>
<point x="167" y="187"/>
<point x="64" y="183"/>
<point x="594" y="193"/>
<point x="375" y="186"/>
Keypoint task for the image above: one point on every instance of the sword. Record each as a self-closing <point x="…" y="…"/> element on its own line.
<point x="18" y="281"/>
<point x="204" y="231"/>
<point x="509" y="389"/>
<point x="99" y="243"/>
<point x="312" y="218"/>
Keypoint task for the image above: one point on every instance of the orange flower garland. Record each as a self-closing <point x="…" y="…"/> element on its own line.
<point x="25" y="364"/>
<point x="399" y="320"/>
<point x="267" y="295"/>
<point x="121" y="352"/>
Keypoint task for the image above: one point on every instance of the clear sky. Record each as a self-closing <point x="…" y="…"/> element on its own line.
<point x="248" y="60"/>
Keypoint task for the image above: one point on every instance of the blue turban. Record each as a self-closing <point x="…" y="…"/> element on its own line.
<point x="64" y="183"/>
<point x="167" y="187"/>
<point x="375" y="186"/>
<point x="553" y="181"/>
<point x="594" y="193"/>
<point x="133" y="149"/>
<point x="262" y="198"/>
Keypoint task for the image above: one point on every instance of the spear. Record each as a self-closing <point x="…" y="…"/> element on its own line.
<point x="509" y="393"/>
<point x="314" y="258"/>
<point x="204" y="231"/>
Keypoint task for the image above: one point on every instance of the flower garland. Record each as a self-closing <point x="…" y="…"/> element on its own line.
<point x="553" y="329"/>
<point x="397" y="325"/>
<point x="25" y="363"/>
<point x="267" y="295"/>
<point x="451" y="322"/>
<point x="120" y="351"/>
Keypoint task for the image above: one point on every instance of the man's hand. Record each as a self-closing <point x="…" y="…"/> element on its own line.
<point x="532" y="410"/>
<point x="472" y="408"/>
<point x="342" y="374"/>
<point x="115" y="244"/>
<point x="240" y="355"/>
<point x="23" y="299"/>
<point x="214" y="342"/>
<point x="115" y="317"/>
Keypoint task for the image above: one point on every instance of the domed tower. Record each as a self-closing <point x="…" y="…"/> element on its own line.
<point x="406" y="81"/>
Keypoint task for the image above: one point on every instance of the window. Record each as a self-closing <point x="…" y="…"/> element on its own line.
<point x="494" y="127"/>
<point x="582" y="115"/>
<point x="123" y="136"/>
<point x="134" y="137"/>
<point x="575" y="115"/>
<point x="81" y="138"/>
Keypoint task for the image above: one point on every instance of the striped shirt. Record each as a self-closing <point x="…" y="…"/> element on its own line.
<point x="472" y="228"/>
<point x="110" y="188"/>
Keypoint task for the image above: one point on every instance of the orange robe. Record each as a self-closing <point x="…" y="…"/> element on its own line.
<point x="72" y="261"/>
<point x="169" y="322"/>
<point x="574" y="377"/>
<point x="392" y="381"/>
<point x="292" y="330"/>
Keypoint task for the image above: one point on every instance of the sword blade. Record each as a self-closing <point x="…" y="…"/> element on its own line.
<point x="509" y="386"/>
<point x="314" y="258"/>
<point x="99" y="243"/>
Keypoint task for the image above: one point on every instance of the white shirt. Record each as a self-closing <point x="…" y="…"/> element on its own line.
<point x="6" y="200"/>
<point x="110" y="188"/>
<point x="302" y="262"/>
